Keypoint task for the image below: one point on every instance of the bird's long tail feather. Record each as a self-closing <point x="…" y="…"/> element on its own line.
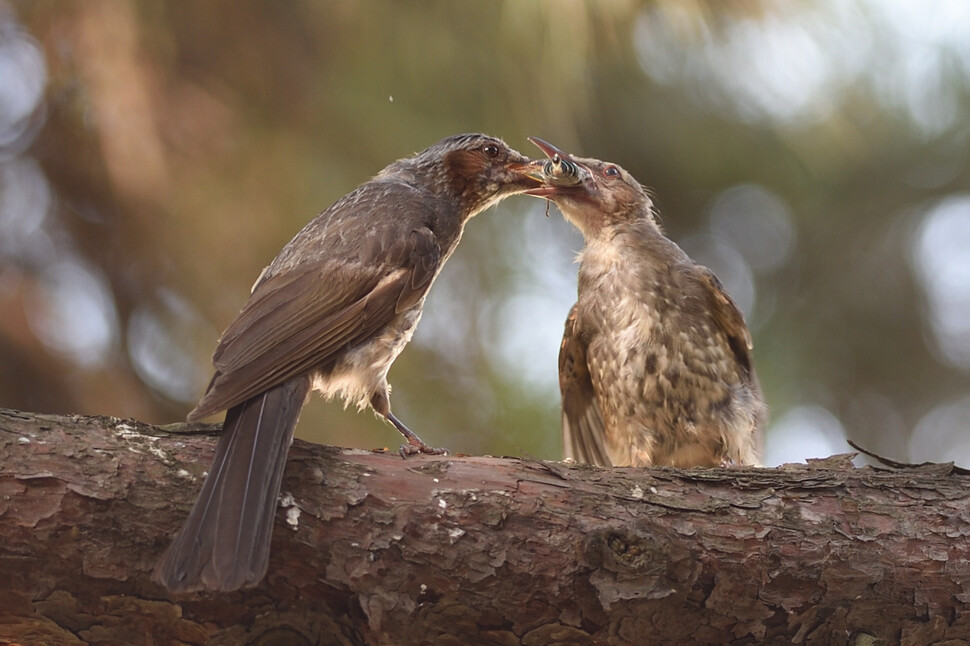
<point x="224" y="543"/>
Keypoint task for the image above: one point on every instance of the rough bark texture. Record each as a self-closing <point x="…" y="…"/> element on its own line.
<point x="373" y="549"/>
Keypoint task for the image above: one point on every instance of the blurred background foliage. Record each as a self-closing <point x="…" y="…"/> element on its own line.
<point x="155" y="156"/>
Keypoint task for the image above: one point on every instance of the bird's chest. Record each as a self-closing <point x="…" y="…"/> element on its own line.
<point x="618" y="311"/>
<point x="647" y="353"/>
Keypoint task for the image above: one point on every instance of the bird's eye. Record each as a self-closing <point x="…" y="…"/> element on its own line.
<point x="491" y="150"/>
<point x="611" y="171"/>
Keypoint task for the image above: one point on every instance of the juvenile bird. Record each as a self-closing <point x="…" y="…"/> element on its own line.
<point x="655" y="366"/>
<point x="330" y="313"/>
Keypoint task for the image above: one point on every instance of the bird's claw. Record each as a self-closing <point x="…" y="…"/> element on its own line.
<point x="416" y="447"/>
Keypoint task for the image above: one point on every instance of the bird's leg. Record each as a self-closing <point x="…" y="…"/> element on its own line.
<point x="380" y="401"/>
<point x="415" y="444"/>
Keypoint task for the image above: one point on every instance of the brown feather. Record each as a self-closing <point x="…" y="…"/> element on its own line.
<point x="582" y="422"/>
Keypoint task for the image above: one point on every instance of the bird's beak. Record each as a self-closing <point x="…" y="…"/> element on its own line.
<point x="525" y="173"/>
<point x="519" y="174"/>
<point x="559" y="171"/>
<point x="551" y="151"/>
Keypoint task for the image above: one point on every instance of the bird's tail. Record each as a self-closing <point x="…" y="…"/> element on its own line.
<point x="224" y="543"/>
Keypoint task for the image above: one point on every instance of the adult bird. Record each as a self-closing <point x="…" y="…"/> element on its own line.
<point x="330" y="313"/>
<point x="655" y="365"/>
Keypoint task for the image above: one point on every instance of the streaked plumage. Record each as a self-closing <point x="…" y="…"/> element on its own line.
<point x="655" y="366"/>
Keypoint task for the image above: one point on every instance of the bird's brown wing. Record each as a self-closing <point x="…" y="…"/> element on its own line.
<point x="583" y="433"/>
<point x="302" y="317"/>
<point x="729" y="319"/>
<point x="727" y="316"/>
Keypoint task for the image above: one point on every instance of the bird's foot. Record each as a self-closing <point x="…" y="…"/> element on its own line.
<point x="416" y="445"/>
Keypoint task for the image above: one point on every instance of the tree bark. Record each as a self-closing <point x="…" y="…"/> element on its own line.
<point x="373" y="549"/>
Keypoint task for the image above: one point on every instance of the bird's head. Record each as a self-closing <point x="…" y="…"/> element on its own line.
<point x="592" y="194"/>
<point x="475" y="170"/>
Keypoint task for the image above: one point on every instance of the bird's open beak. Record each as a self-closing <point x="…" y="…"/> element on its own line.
<point x="525" y="173"/>
<point x="551" y="151"/>
<point x="559" y="171"/>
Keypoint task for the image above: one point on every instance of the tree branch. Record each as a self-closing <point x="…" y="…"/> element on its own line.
<point x="372" y="549"/>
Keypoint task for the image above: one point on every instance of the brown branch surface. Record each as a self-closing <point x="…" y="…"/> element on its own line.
<point x="373" y="549"/>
